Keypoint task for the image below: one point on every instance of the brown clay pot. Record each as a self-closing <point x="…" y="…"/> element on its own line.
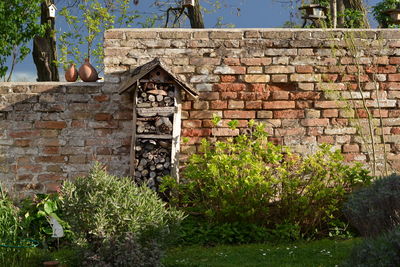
<point x="71" y="74"/>
<point x="87" y="72"/>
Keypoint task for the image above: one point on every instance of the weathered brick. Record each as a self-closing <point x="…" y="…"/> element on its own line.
<point x="228" y="78"/>
<point x="279" y="104"/>
<point x="219" y="104"/>
<point x="279" y="69"/>
<point x="197" y="132"/>
<point x="225" y="132"/>
<point x="50" y="124"/>
<point x="256" y="61"/>
<point x="288" y="114"/>
<point x="315" y="122"/>
<point x="204" y="114"/>
<point x="253" y="104"/>
<point x="256" y="78"/>
<point x="239" y="114"/>
<point x="264" y="114"/>
<point x="232" y="104"/>
<point x="230" y="87"/>
<point x="204" y="105"/>
<point x="280" y="95"/>
<point x="351" y="148"/>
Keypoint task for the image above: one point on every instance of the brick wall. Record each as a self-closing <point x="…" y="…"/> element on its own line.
<point x="299" y="82"/>
<point x="53" y="131"/>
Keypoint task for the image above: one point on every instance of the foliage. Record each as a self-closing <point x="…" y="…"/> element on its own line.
<point x="294" y="254"/>
<point x="87" y="21"/>
<point x="353" y="18"/>
<point x="376" y="208"/>
<point x="17" y="27"/>
<point x="383" y="19"/>
<point x="35" y="213"/>
<point x="125" y="251"/>
<point x="103" y="209"/>
<point x="380" y="251"/>
<point x="247" y="179"/>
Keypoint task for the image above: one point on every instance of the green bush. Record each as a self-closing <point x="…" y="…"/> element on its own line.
<point x="102" y="208"/>
<point x="383" y="251"/>
<point x="376" y="208"/>
<point x="247" y="179"/>
<point x="384" y="19"/>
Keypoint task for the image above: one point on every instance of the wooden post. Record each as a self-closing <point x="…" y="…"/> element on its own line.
<point x="334" y="13"/>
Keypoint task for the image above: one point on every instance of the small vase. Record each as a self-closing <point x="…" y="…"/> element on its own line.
<point x="87" y="72"/>
<point x="71" y="74"/>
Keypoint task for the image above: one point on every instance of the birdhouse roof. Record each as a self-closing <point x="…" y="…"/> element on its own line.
<point x="143" y="70"/>
<point x="52" y="5"/>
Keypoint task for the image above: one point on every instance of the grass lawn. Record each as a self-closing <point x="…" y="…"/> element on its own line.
<point x="305" y="254"/>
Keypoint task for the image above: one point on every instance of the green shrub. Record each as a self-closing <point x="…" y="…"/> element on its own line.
<point x="126" y="251"/>
<point x="383" y="18"/>
<point x="383" y="251"/>
<point x="376" y="208"/>
<point x="102" y="208"/>
<point x="247" y="179"/>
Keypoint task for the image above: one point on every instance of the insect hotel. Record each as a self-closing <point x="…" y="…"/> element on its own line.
<point x="156" y="122"/>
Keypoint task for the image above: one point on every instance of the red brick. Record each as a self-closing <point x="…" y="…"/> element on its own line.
<point x="395" y="130"/>
<point x="101" y="98"/>
<point x="209" y="95"/>
<point x="362" y="113"/>
<point x="349" y="148"/>
<point x="198" y="61"/>
<point x="253" y="104"/>
<point x="55" y="159"/>
<point x="280" y="95"/>
<point x="330" y="113"/>
<point x="230" y="87"/>
<point x="102" y="117"/>
<point x="281" y="87"/>
<point x="186" y="105"/>
<point x="51" y="150"/>
<point x="303" y="104"/>
<point x="279" y="104"/>
<point x="256" y="61"/>
<point x="228" y="95"/>
<point x="78" y="124"/>
<point x="203" y="114"/>
<point x="231" y="61"/>
<point x="50" y="177"/>
<point x="315" y="122"/>
<point x="305" y="95"/>
<point x="288" y="114"/>
<point x="191" y="123"/>
<point x="326" y="139"/>
<point x="381" y="69"/>
<point x="197" y="132"/>
<point x="219" y="104"/>
<point x="224" y="132"/>
<point x="394" y="77"/>
<point x="257" y="87"/>
<point x="24" y="134"/>
<point x="50" y="124"/>
<point x="394" y="60"/>
<point x="228" y="78"/>
<point x="304" y="69"/>
<point x="329" y="104"/>
<point x="22" y="143"/>
<point x="239" y="114"/>
<point x="103" y="151"/>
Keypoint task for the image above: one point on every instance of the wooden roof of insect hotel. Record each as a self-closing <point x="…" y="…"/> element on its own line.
<point x="145" y="69"/>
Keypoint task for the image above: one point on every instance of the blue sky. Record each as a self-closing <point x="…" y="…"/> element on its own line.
<point x="253" y="14"/>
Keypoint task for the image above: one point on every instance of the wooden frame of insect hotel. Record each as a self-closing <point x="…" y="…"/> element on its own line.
<point x="156" y="121"/>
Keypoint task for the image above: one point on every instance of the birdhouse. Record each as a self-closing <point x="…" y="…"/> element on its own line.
<point x="314" y="11"/>
<point x="52" y="10"/>
<point x="394" y="15"/>
<point x="187" y="3"/>
<point x="156" y="125"/>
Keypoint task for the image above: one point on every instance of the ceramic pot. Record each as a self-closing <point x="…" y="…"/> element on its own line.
<point x="87" y="72"/>
<point x="71" y="74"/>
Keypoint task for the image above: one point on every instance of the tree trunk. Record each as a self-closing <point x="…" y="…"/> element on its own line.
<point x="340" y="12"/>
<point x="195" y="16"/>
<point x="44" y="48"/>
